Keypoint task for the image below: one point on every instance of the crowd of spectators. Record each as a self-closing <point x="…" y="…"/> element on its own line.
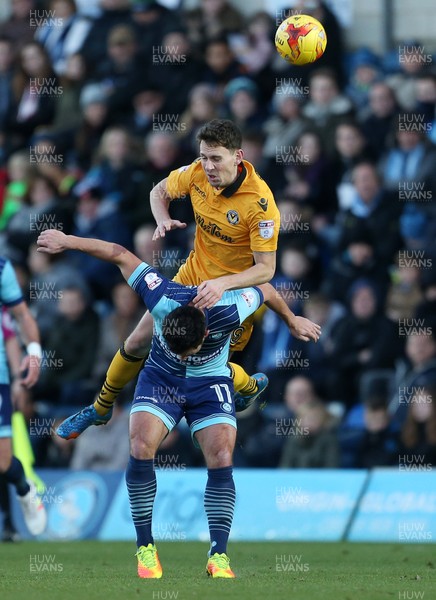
<point x="101" y="100"/>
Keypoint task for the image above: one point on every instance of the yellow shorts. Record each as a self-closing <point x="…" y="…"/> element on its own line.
<point x="241" y="334"/>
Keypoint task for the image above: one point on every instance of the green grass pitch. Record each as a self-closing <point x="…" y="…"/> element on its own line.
<point x="89" y="570"/>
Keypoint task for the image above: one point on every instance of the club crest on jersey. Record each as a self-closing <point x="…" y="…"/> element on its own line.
<point x="152" y="280"/>
<point x="232" y="217"/>
<point x="263" y="203"/>
<point x="266" y="229"/>
<point x="226" y="406"/>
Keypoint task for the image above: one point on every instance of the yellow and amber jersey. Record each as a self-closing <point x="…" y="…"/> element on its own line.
<point x="231" y="222"/>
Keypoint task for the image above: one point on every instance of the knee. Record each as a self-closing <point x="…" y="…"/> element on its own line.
<point x="219" y="457"/>
<point x="141" y="448"/>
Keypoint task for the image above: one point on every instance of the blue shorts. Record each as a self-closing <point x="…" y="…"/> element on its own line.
<point x="5" y="411"/>
<point x="203" y="401"/>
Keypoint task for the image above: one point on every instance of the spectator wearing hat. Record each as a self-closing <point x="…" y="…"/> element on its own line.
<point x="242" y="102"/>
<point x="93" y="103"/>
<point x="364" y="339"/>
<point x="365" y="71"/>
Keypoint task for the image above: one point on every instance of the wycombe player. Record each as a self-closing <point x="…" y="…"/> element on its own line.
<point x="186" y="374"/>
<point x="237" y="225"/>
<point x="11" y="468"/>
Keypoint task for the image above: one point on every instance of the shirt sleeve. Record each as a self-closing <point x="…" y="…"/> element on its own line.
<point x="264" y="225"/>
<point x="149" y="284"/>
<point x="178" y="182"/>
<point x="10" y="291"/>
<point x="247" y="301"/>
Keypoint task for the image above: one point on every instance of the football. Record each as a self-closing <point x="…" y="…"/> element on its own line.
<point x="301" y="39"/>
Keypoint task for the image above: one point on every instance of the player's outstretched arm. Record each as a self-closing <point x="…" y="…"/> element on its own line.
<point x="160" y="201"/>
<point x="300" y="327"/>
<point x="53" y="241"/>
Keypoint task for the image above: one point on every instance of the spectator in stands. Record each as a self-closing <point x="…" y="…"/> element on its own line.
<point x="68" y="114"/>
<point x="121" y="72"/>
<point x="44" y="210"/>
<point x="175" y="70"/>
<point x="372" y="441"/>
<point x="365" y="71"/>
<point x="212" y="18"/>
<point x="350" y="149"/>
<point x="49" y="275"/>
<point x="242" y="101"/>
<point x="74" y="333"/>
<point x="417" y="369"/>
<point x="404" y="293"/>
<point x="374" y="210"/>
<point x="221" y="65"/>
<point x="35" y="88"/>
<point x="362" y="340"/>
<point x="320" y="366"/>
<point x="418" y="435"/>
<point x="412" y="64"/>
<point x="6" y="79"/>
<point x="378" y="120"/>
<point x="307" y="177"/>
<point x="98" y="217"/>
<point x="94" y="107"/>
<point x="326" y="106"/>
<point x="151" y="20"/>
<point x="202" y="107"/>
<point x="254" y="46"/>
<point x="66" y="37"/>
<point x="19" y="172"/>
<point x="312" y="443"/>
<point x="18" y="26"/>
<point x="113" y="13"/>
<point x="426" y="102"/>
<point x="148" y="109"/>
<point x="411" y="160"/>
<point x="116" y="170"/>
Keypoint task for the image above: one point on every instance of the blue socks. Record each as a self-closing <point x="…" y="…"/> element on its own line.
<point x="15" y="475"/>
<point x="141" y="487"/>
<point x="219" y="503"/>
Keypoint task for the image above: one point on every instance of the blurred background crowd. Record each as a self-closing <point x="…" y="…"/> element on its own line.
<point x="97" y="106"/>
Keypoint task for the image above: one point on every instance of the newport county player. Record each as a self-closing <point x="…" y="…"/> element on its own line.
<point x="237" y="225"/>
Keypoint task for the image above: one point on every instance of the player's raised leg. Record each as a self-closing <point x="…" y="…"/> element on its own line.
<point x="217" y="443"/>
<point x="146" y="433"/>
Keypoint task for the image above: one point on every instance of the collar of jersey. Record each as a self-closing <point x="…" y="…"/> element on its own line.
<point x="233" y="187"/>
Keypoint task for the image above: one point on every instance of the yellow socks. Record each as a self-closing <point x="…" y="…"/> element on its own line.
<point x="242" y="382"/>
<point x="123" y="368"/>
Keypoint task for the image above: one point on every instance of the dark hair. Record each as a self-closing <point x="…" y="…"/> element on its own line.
<point x="221" y="132"/>
<point x="184" y="329"/>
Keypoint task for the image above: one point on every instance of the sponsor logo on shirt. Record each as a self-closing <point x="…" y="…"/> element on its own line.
<point x="212" y="229"/>
<point x="152" y="280"/>
<point x="199" y="190"/>
<point x="266" y="229"/>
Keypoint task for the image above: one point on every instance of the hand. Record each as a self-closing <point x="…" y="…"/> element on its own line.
<point x="32" y="365"/>
<point x="52" y="241"/>
<point x="305" y="330"/>
<point x="208" y="293"/>
<point x="165" y="226"/>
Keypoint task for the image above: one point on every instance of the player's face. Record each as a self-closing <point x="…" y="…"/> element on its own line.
<point x="220" y="164"/>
